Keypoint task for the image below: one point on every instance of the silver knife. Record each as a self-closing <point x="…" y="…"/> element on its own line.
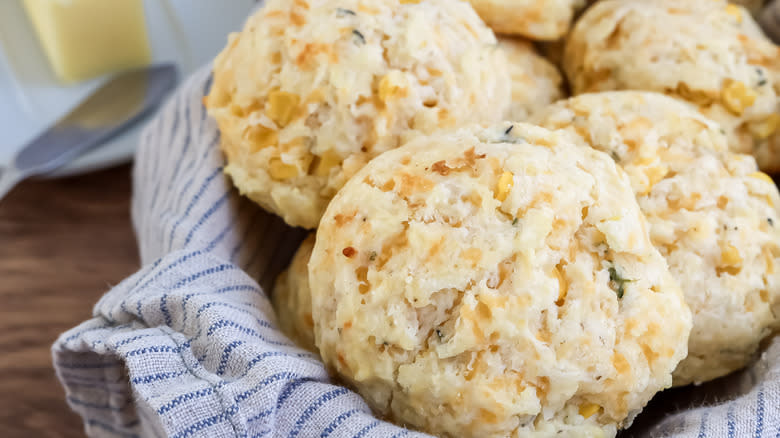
<point x="111" y="109"/>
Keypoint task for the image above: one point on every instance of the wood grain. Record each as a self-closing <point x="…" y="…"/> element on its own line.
<point x="62" y="244"/>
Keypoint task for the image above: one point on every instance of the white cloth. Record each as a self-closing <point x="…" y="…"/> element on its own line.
<point x="189" y="347"/>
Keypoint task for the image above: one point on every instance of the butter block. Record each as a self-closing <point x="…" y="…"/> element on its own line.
<point x="87" y="38"/>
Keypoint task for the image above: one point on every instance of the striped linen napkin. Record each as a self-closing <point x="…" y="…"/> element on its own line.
<point x="189" y="345"/>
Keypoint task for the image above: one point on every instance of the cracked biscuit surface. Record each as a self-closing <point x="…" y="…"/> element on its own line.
<point x="712" y="215"/>
<point x="534" y="19"/>
<point x="707" y="52"/>
<point x="310" y="90"/>
<point x="496" y="281"/>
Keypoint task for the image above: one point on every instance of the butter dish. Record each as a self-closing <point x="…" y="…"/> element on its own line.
<point x="186" y="33"/>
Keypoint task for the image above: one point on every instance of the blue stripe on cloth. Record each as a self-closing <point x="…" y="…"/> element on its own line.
<point x="178" y="147"/>
<point x="204" y="122"/>
<point x="158" y="349"/>
<point x="157" y="377"/>
<point x="184" y="190"/>
<point x="313" y="407"/>
<point x="191" y="172"/>
<point x="204" y="273"/>
<point x="288" y="390"/>
<point x="260" y="415"/>
<point x="337" y="422"/>
<point x="154" y="200"/>
<point x="265" y="382"/>
<point x="268" y="354"/>
<point x="262" y="433"/>
<point x="155" y="194"/>
<point x="232" y="288"/>
<point x="217" y="240"/>
<point x="730" y="421"/>
<point x="703" y="425"/>
<point x="366" y="429"/>
<point x="164" y="310"/>
<point x="759" y="413"/>
<point x="136" y="338"/>
<point x="401" y="433"/>
<point x="200" y="425"/>
<point x="225" y="355"/>
<point x="151" y="269"/>
<point x="177" y="130"/>
<point x="156" y="162"/>
<point x="261" y="322"/>
<point x="142" y="170"/>
<point x="123" y="304"/>
<point x="187" y="280"/>
<point x="245" y="330"/>
<point x="206" y="215"/>
<point x="166" y="269"/>
<point x="216" y="172"/>
<point x="139" y="309"/>
<point x="194" y="395"/>
<point x="185" y="147"/>
<point x="242" y="329"/>
<point x="244" y="307"/>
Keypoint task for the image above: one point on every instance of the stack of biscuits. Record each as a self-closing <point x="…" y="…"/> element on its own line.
<point x="528" y="234"/>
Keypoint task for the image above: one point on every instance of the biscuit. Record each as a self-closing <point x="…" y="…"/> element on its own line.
<point x="292" y="298"/>
<point x="493" y="282"/>
<point x="535" y="81"/>
<point x="534" y="19"/>
<point x="707" y="52"/>
<point x="712" y="215"/>
<point x="310" y="91"/>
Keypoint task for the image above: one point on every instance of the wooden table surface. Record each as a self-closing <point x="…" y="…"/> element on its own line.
<point x="62" y="244"/>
